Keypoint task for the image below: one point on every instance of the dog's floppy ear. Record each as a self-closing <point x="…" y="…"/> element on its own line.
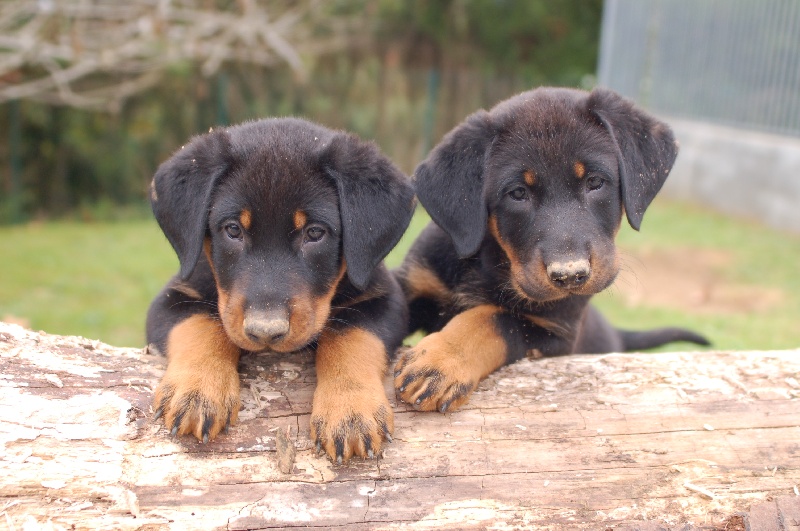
<point x="181" y="194"/>
<point x="646" y="150"/>
<point x="376" y="203"/>
<point x="449" y="183"/>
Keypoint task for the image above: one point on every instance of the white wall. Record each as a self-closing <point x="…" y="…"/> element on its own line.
<point x="737" y="171"/>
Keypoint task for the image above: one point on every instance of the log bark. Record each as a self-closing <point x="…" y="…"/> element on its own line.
<point x="706" y="440"/>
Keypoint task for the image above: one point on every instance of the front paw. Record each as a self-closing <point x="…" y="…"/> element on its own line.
<point x="347" y="422"/>
<point x="197" y="400"/>
<point x="434" y="375"/>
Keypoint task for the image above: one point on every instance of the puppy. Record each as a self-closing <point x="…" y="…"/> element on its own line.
<point x="527" y="200"/>
<point x="280" y="226"/>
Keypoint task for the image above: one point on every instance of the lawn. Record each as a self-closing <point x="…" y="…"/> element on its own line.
<point x="735" y="281"/>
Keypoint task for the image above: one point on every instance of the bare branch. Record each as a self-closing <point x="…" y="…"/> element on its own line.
<point x="97" y="53"/>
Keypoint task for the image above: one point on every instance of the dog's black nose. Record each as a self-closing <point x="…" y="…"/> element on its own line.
<point x="569" y="275"/>
<point x="266" y="328"/>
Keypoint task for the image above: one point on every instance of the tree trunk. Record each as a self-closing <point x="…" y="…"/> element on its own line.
<point x="627" y="441"/>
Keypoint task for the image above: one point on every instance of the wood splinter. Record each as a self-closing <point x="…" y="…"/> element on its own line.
<point x="286" y="451"/>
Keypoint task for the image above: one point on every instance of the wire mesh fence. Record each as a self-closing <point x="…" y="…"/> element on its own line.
<point x="732" y="62"/>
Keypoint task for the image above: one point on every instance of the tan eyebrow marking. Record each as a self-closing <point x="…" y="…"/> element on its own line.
<point x="530" y="177"/>
<point x="299" y="219"/>
<point x="579" y="169"/>
<point x="246" y="218"/>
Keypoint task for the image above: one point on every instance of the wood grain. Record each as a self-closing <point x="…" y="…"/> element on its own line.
<point x="705" y="440"/>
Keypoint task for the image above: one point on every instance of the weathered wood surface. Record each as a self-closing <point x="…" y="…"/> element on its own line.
<point x="636" y="441"/>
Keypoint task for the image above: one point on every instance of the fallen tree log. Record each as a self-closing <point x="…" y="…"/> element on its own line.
<point x="705" y="440"/>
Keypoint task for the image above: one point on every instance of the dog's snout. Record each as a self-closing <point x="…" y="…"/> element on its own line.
<point x="569" y="275"/>
<point x="266" y="328"/>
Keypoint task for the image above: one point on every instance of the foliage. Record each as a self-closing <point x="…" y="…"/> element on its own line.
<point x="411" y="71"/>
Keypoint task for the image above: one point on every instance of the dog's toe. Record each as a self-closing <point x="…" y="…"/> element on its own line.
<point x="347" y="427"/>
<point x="431" y="377"/>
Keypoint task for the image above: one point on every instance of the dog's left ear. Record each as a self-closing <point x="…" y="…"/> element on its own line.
<point x="646" y="149"/>
<point x="376" y="202"/>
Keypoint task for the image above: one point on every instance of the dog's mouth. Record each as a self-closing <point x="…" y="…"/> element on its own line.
<point x="260" y="333"/>
<point x="554" y="281"/>
<point x="287" y="328"/>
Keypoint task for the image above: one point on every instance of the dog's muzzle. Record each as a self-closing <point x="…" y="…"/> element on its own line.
<point x="569" y="275"/>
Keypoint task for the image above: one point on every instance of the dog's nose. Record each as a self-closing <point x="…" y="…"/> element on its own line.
<point x="266" y="328"/>
<point x="569" y="275"/>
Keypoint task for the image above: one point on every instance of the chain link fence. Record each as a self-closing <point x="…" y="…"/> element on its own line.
<point x="730" y="62"/>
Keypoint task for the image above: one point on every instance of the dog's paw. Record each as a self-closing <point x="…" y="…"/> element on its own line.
<point x="198" y="401"/>
<point x="349" y="420"/>
<point x="434" y="375"/>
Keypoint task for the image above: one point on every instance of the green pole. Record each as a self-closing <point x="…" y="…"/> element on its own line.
<point x="15" y="163"/>
<point x="222" y="99"/>
<point x="430" y="109"/>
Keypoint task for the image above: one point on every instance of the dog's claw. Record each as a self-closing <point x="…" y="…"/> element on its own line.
<point x="207" y="423"/>
<point x="158" y="413"/>
<point x="174" y="430"/>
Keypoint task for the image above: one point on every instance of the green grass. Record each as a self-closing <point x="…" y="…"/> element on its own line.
<point x="89" y="279"/>
<point x="759" y="257"/>
<point x="97" y="279"/>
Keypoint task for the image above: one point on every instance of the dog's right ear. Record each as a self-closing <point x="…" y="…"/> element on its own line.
<point x="181" y="192"/>
<point x="449" y="183"/>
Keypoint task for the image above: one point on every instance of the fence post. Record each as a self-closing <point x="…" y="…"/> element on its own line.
<point x="15" y="164"/>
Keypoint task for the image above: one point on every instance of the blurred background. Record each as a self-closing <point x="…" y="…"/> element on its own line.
<point x="94" y="94"/>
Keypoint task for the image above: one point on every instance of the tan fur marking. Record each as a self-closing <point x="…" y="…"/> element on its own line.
<point x="201" y="363"/>
<point x="323" y="305"/>
<point x="231" y="310"/>
<point x="246" y="219"/>
<point x="510" y="251"/>
<point x="530" y="177"/>
<point x="517" y="270"/>
<point x="579" y="169"/>
<point x="187" y="290"/>
<point x="549" y="325"/>
<point x="350" y="398"/>
<point x="465" y="351"/>
<point x="299" y="219"/>
<point x="153" y="193"/>
<point x="422" y="282"/>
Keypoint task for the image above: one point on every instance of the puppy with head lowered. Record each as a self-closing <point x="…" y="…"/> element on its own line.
<point x="527" y="200"/>
<point x="280" y="226"/>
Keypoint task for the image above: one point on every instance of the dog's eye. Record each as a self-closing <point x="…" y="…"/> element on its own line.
<point x="314" y="233"/>
<point x="234" y="231"/>
<point x="518" y="194"/>
<point x="594" y="182"/>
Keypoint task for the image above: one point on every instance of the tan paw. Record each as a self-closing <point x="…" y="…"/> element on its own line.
<point x="351" y="423"/>
<point x="433" y="376"/>
<point x="199" y="393"/>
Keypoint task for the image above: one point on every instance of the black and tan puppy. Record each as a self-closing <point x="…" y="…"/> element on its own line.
<point x="280" y="226"/>
<point x="527" y="200"/>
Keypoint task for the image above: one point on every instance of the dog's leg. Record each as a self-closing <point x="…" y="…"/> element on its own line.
<point x="199" y="393"/>
<point x="443" y="369"/>
<point x="350" y="414"/>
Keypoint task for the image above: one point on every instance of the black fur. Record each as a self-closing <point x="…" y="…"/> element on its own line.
<point x="266" y="217"/>
<point x="589" y="157"/>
